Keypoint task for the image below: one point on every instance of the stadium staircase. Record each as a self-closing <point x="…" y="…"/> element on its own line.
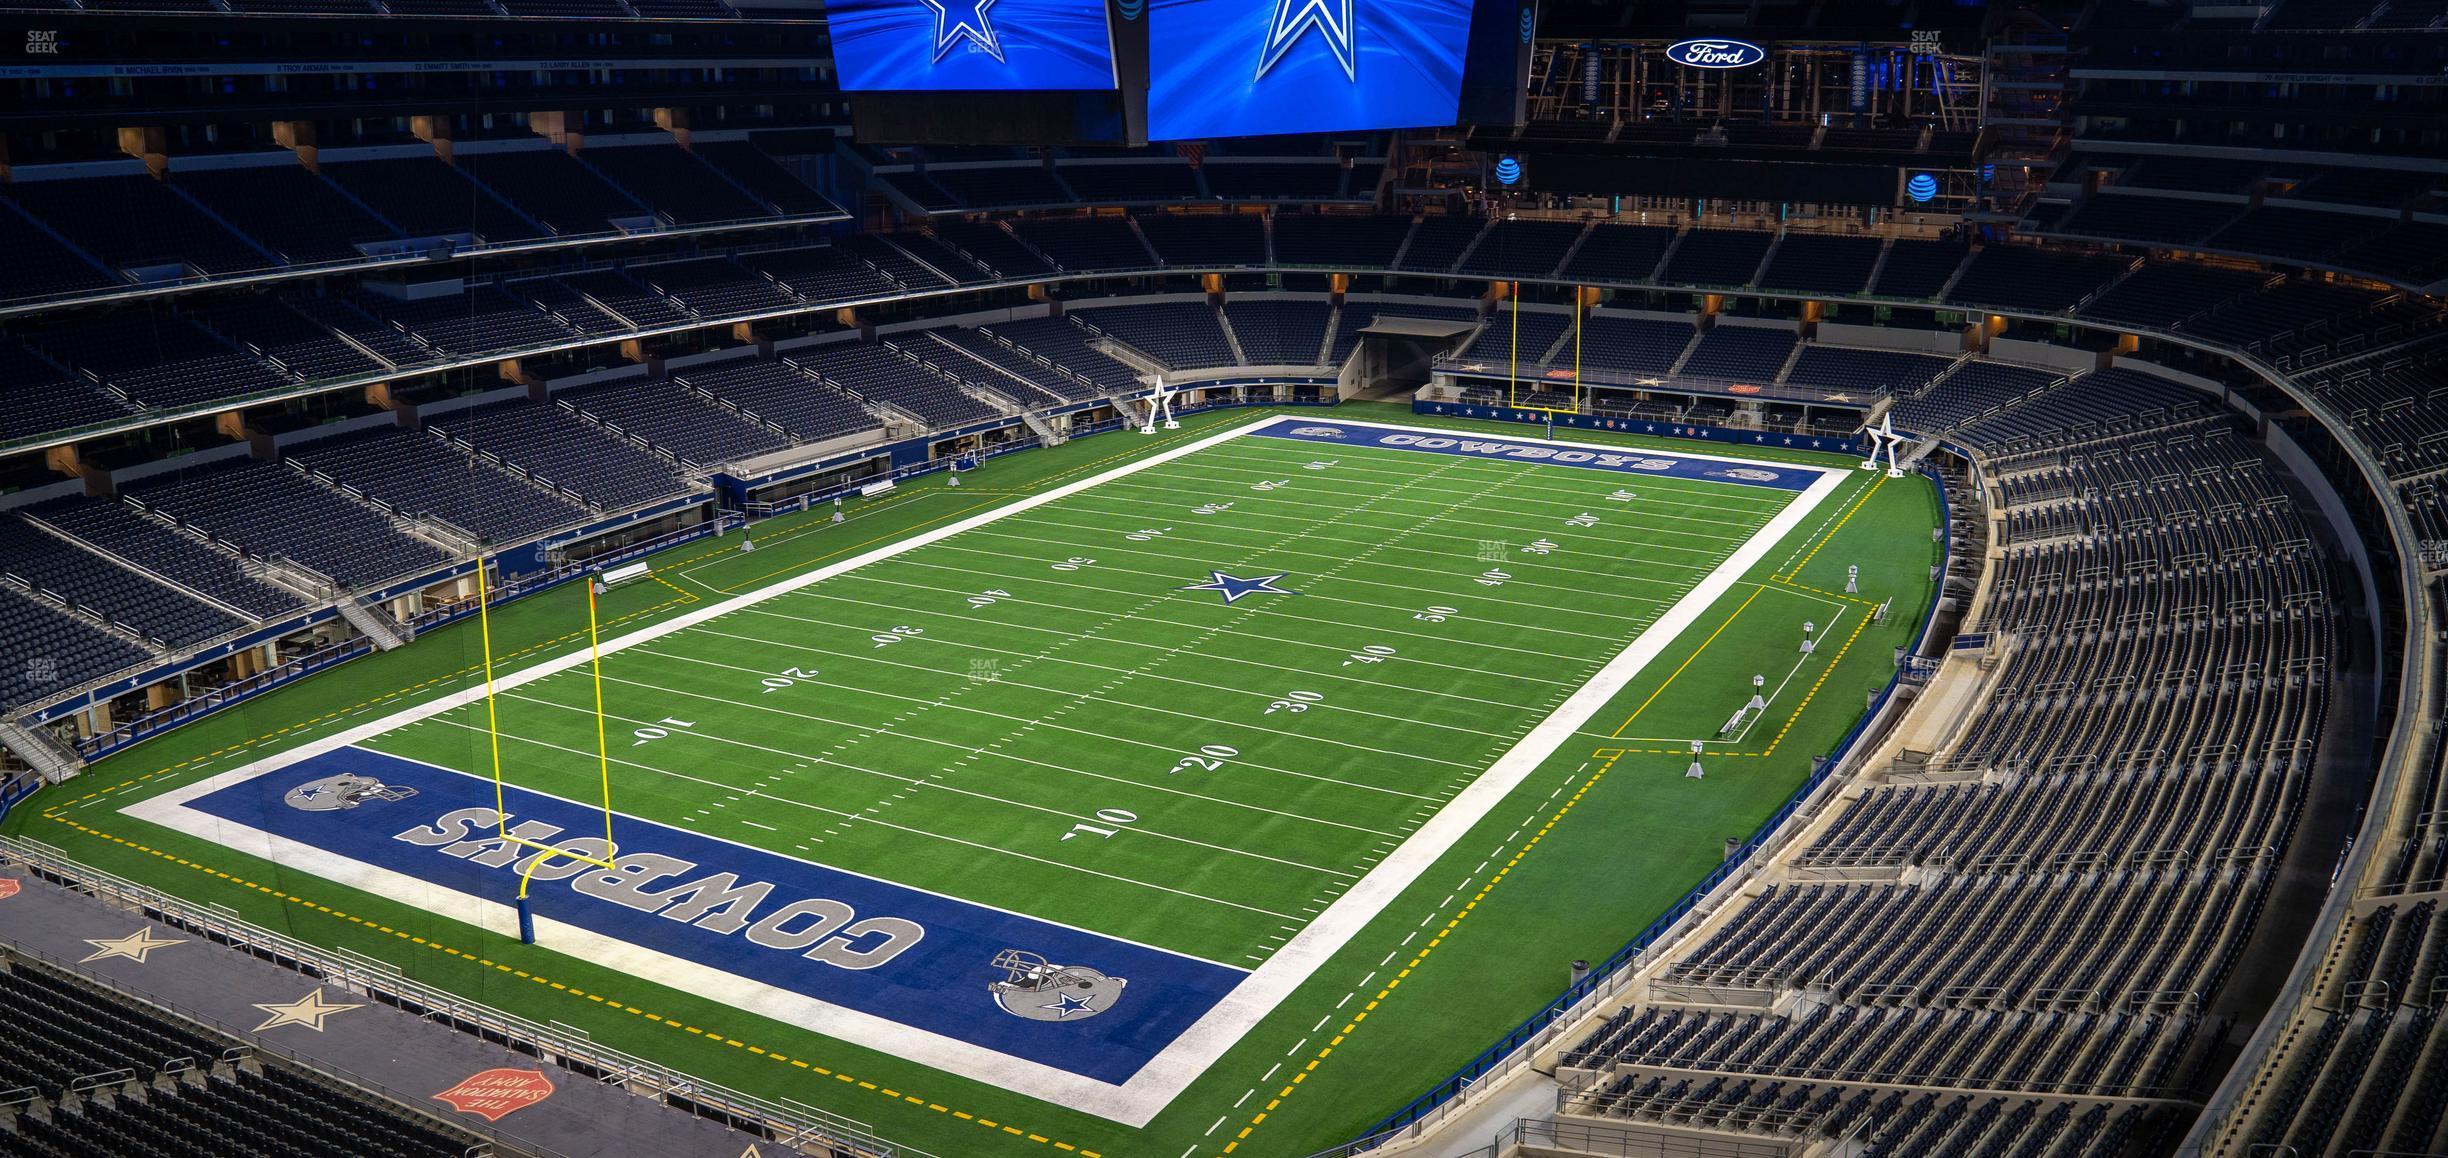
<point x="1587" y="228"/>
<point x="1326" y="344"/>
<point x="1463" y="258"/>
<point x="1658" y="271"/>
<point x="1046" y="434"/>
<point x="921" y="262"/>
<point x="1761" y="270"/>
<point x="1689" y="348"/>
<point x="1231" y="339"/>
<point x="1948" y="287"/>
<point x="1154" y="258"/>
<point x="46" y="756"/>
<point x="375" y="624"/>
<point x="1879" y="266"/>
<point x="1395" y="262"/>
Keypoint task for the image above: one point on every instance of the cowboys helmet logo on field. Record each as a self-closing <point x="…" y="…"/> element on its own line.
<point x="1747" y="474"/>
<point x="347" y="790"/>
<point x="1038" y="990"/>
<point x="1318" y="431"/>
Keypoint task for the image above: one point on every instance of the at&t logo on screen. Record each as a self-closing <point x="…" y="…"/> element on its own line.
<point x="1715" y="53"/>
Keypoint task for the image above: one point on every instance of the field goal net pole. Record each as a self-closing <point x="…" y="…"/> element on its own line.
<point x="603" y="757"/>
<point x="1513" y="378"/>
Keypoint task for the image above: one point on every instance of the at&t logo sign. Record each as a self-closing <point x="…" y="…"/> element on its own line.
<point x="1715" y="53"/>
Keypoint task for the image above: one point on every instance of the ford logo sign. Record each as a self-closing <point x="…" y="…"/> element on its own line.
<point x="1715" y="53"/>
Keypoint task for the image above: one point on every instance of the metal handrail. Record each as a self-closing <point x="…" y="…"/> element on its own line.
<point x="360" y="974"/>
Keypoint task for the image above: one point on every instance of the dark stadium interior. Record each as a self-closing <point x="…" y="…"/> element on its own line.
<point x="312" y="309"/>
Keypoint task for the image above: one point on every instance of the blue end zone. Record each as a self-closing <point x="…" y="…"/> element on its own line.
<point x="1627" y="461"/>
<point x="897" y="953"/>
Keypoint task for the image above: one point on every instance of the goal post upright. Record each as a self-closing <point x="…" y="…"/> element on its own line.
<point x="501" y="805"/>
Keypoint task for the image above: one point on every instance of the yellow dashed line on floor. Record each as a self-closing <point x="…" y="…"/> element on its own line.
<point x="1610" y="756"/>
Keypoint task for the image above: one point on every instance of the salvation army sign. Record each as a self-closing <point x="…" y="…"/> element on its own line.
<point x="497" y="1093"/>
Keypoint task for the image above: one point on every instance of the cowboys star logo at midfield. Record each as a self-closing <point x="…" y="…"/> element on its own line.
<point x="1331" y="18"/>
<point x="958" y="20"/>
<point x="1039" y="990"/>
<point x="347" y="790"/>
<point x="1234" y="587"/>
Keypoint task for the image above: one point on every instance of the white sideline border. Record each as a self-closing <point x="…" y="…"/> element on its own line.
<point x="1134" y="1102"/>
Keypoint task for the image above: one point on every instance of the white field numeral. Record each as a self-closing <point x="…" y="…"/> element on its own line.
<point x="1209" y="758"/>
<point x="656" y="731"/>
<point x="1373" y="653"/>
<point x="1293" y="703"/>
<point x="788" y="677"/>
<point x="1114" y="819"/>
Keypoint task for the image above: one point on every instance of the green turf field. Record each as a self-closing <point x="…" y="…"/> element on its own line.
<point x="1057" y="712"/>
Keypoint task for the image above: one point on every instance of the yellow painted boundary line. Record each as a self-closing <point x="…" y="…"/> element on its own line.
<point x="1392" y="983"/>
<point x="683" y="597"/>
<point x="1687" y="662"/>
<point x="573" y="991"/>
<point x="352" y="709"/>
<point x="1825" y="539"/>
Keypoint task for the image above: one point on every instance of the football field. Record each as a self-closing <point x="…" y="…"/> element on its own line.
<point x="1066" y="796"/>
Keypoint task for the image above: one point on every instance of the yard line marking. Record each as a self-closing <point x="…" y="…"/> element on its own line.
<point x="1499" y="515"/>
<point x="1286" y="642"/>
<point x="1149" y="744"/>
<point x="1141" y="828"/>
<point x="1481" y="515"/>
<point x="1447" y="573"/>
<point x="1184" y="1061"/>
<point x="1213" y="657"/>
<point x="1363" y="460"/>
<point x="887" y="824"/>
<point x="1257" y="508"/>
<point x="921" y="738"/>
<point x="1009" y="682"/>
<point x="1208" y="686"/>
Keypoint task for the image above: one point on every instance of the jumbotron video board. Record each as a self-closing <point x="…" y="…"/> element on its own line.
<point x="1131" y="71"/>
<point x="1226" y="68"/>
<point x="971" y="45"/>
